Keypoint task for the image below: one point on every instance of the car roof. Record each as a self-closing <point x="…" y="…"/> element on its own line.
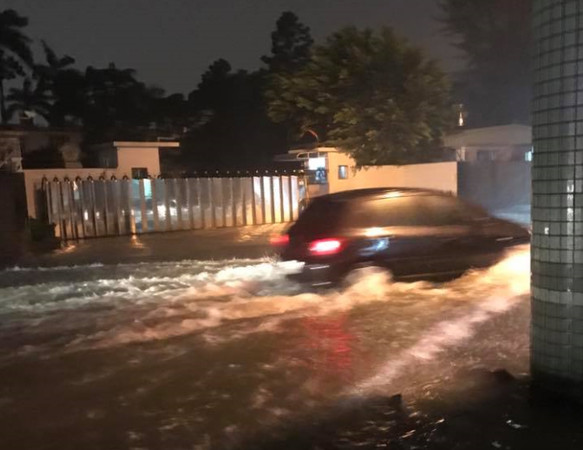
<point x="379" y="192"/>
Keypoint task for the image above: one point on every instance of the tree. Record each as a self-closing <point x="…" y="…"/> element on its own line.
<point x="65" y="85"/>
<point x="117" y="105"/>
<point x="15" y="53"/>
<point x="28" y="100"/>
<point x="229" y="123"/>
<point x="290" y="44"/>
<point x="212" y="92"/>
<point x="495" y="37"/>
<point x="370" y="94"/>
<point x="49" y="71"/>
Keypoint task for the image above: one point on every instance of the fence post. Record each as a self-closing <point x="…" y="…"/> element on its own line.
<point x="154" y="202"/>
<point x="56" y="186"/>
<point x="272" y="198"/>
<point x="212" y="203"/>
<point x="49" y="199"/>
<point x="243" y="187"/>
<point x="64" y="231"/>
<point x="281" y="201"/>
<point x="253" y="202"/>
<point x="178" y="199"/>
<point x="167" y="204"/>
<point x="93" y="212"/>
<point x="224" y="200"/>
<point x="188" y="190"/>
<point x="262" y="188"/>
<point x="79" y="225"/>
<point x="199" y="201"/>
<point x="291" y="198"/>
<point x="234" y="220"/>
<point x="143" y="209"/>
<point x="117" y="206"/>
<point x="106" y="218"/>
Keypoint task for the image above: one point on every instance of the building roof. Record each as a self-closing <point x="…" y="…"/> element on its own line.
<point x="18" y="130"/>
<point x="120" y="145"/>
<point x="146" y="144"/>
<point x="503" y="135"/>
<point x="298" y="151"/>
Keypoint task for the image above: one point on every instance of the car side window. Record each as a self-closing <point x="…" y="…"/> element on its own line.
<point x="441" y="210"/>
<point x="385" y="213"/>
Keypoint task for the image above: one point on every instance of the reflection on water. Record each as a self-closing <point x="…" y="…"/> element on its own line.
<point x="325" y="348"/>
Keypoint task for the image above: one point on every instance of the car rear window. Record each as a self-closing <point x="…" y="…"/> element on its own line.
<point x="321" y="215"/>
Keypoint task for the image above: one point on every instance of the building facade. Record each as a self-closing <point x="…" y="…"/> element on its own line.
<point x="330" y="170"/>
<point x="19" y="143"/>
<point x="500" y="143"/>
<point x="119" y="159"/>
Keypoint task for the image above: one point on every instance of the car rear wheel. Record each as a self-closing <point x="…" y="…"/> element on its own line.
<point x="366" y="273"/>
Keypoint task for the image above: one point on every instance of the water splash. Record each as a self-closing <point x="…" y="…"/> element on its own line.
<point x="157" y="301"/>
<point x="501" y="288"/>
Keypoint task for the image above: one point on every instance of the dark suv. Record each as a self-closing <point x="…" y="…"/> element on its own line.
<point x="415" y="233"/>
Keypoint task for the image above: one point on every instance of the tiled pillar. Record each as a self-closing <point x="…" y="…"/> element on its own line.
<point x="557" y="208"/>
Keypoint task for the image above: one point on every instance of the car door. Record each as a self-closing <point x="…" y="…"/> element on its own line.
<point x="495" y="236"/>
<point x="391" y="235"/>
<point x="456" y="240"/>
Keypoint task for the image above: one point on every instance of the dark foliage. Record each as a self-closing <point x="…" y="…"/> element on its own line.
<point x="15" y="53"/>
<point x="370" y="94"/>
<point x="495" y="37"/>
<point x="49" y="157"/>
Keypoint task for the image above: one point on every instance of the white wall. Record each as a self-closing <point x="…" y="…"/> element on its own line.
<point x="135" y="157"/>
<point x="441" y="176"/>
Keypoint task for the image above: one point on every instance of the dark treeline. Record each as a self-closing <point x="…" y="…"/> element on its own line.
<point x="495" y="39"/>
<point x="372" y="93"/>
<point x="222" y="123"/>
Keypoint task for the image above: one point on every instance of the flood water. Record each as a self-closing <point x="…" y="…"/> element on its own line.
<point x="213" y="354"/>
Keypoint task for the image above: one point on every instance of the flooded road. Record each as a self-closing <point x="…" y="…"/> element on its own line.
<point x="197" y="354"/>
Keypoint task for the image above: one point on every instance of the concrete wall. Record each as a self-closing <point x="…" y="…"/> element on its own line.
<point x="147" y="157"/>
<point x="495" y="185"/>
<point x="441" y="176"/>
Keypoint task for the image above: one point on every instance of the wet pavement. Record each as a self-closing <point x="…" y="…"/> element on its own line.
<point x="220" y="243"/>
<point x="227" y="353"/>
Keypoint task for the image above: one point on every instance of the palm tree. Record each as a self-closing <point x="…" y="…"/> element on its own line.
<point x="28" y="101"/>
<point x="64" y="83"/>
<point x="48" y="72"/>
<point x="15" y="51"/>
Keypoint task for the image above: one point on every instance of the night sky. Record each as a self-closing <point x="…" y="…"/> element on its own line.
<point x="171" y="42"/>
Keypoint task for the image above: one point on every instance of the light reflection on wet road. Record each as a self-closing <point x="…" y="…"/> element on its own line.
<point x="207" y="354"/>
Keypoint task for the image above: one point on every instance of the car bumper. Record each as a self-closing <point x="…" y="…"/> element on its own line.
<point x="318" y="275"/>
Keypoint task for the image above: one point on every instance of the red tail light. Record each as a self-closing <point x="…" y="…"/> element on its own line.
<point x="280" y="240"/>
<point x="325" y="246"/>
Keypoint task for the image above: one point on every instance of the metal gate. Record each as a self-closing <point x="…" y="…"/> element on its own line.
<point x="93" y="208"/>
